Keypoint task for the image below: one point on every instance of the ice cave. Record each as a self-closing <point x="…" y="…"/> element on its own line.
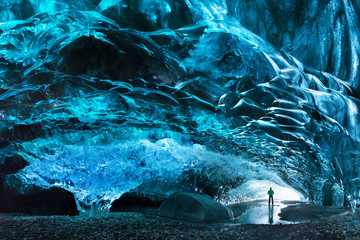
<point x="101" y="99"/>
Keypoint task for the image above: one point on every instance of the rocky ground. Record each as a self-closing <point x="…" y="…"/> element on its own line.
<point x="135" y="225"/>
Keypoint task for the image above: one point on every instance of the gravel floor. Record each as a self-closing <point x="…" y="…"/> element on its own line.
<point x="132" y="225"/>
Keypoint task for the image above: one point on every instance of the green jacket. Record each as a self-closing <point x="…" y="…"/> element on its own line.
<point x="270" y="192"/>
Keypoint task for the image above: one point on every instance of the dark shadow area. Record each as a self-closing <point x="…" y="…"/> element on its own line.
<point x="132" y="202"/>
<point x="52" y="201"/>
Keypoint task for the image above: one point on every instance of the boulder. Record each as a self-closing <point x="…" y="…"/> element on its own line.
<point x="194" y="207"/>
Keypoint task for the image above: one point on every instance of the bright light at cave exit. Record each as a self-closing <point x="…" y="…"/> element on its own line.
<point x="257" y="190"/>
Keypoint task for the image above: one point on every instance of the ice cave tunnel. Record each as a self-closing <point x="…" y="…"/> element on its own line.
<point x="101" y="99"/>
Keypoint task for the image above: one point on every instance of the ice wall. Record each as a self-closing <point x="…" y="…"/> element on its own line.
<point x="103" y="96"/>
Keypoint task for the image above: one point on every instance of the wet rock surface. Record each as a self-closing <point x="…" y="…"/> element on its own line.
<point x="306" y="212"/>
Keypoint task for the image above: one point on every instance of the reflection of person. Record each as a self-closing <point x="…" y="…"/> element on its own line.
<point x="271" y="214"/>
<point x="271" y="193"/>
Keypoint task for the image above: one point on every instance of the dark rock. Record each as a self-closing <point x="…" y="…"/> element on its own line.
<point x="194" y="207"/>
<point x="52" y="201"/>
<point x="13" y="164"/>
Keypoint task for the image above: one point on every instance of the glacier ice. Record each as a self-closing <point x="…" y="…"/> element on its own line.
<point x="101" y="97"/>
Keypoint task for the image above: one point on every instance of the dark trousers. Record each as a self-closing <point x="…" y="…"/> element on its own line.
<point x="272" y="200"/>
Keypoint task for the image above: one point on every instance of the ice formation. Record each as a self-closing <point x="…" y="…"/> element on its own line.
<point x="102" y="96"/>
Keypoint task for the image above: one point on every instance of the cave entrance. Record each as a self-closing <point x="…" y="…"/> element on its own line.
<point x="252" y="198"/>
<point x="257" y="190"/>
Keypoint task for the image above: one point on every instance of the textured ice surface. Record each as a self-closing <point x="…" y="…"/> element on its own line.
<point x="103" y="96"/>
<point x="100" y="171"/>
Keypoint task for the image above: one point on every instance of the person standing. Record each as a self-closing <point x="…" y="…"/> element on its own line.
<point x="271" y="194"/>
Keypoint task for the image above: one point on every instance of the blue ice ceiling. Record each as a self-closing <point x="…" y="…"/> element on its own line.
<point x="101" y="97"/>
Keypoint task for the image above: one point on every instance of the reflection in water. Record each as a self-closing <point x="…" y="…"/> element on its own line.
<point x="271" y="214"/>
<point x="261" y="213"/>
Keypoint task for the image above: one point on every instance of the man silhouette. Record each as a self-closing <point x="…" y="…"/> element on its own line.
<point x="271" y="193"/>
